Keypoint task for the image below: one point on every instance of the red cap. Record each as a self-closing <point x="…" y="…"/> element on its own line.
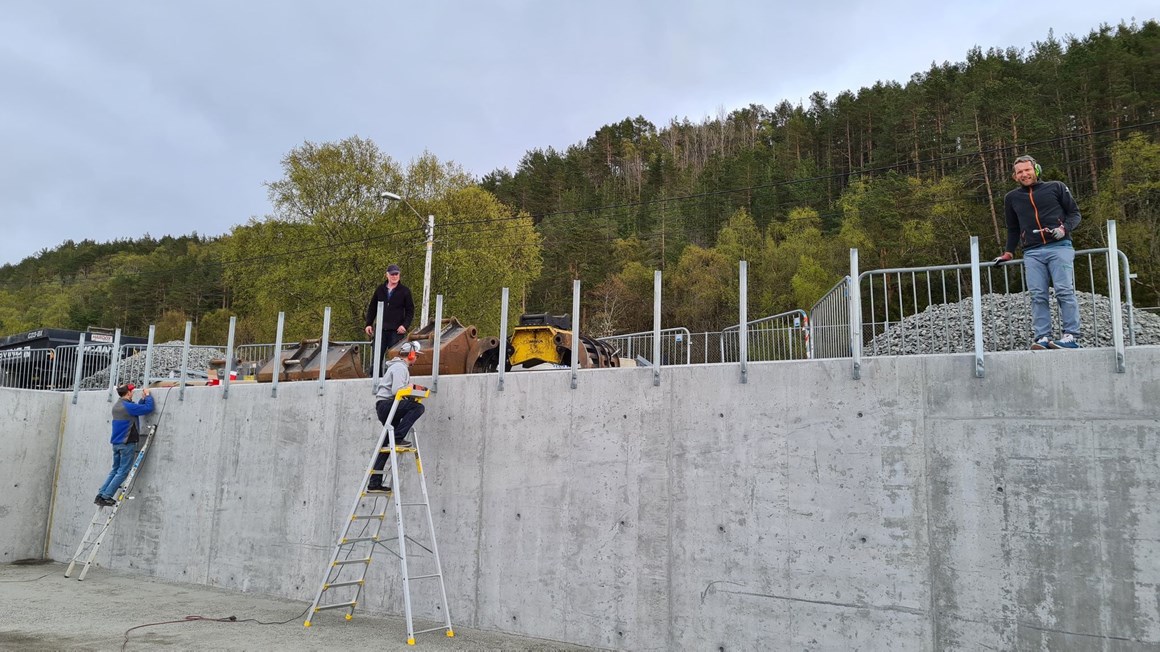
<point x="131" y="386"/>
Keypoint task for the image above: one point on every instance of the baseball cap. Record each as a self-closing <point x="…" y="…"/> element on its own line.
<point x="407" y="347"/>
<point x="393" y="269"/>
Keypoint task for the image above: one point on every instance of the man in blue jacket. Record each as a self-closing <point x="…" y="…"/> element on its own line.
<point x="1041" y="216"/>
<point x="126" y="434"/>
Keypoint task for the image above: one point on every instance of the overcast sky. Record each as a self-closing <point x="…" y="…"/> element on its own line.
<point x="136" y="116"/>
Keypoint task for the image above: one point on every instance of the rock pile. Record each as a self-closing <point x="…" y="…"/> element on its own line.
<point x="166" y="364"/>
<point x="946" y="327"/>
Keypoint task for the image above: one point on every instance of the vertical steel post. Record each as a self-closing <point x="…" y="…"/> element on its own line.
<point x="977" y="306"/>
<point x="743" y="330"/>
<point x="855" y="310"/>
<point x="502" y="354"/>
<point x="229" y="357"/>
<point x="656" y="328"/>
<point x="149" y="356"/>
<point x="1114" y="296"/>
<point x="115" y="364"/>
<point x="79" y="368"/>
<point x="323" y="350"/>
<point x="185" y="359"/>
<point x="437" y="336"/>
<point x="378" y="352"/>
<point x="577" y="347"/>
<point x="276" y="362"/>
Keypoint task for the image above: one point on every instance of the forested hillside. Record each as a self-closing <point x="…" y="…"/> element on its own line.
<point x="905" y="171"/>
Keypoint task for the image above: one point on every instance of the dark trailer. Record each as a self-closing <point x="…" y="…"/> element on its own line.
<point x="46" y="358"/>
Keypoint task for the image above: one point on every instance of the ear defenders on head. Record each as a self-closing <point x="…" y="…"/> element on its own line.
<point x="411" y="349"/>
<point x="1032" y="161"/>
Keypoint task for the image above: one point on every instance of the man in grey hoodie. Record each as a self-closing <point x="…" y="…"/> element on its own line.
<point x="396" y="376"/>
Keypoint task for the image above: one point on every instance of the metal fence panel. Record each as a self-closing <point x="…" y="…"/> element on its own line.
<point x="676" y="346"/>
<point x="783" y="336"/>
<point x="27" y="368"/>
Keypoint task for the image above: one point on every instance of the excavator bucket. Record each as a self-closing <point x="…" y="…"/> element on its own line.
<point x="459" y="348"/>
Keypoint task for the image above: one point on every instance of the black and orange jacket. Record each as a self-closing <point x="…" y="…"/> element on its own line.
<point x="1042" y="205"/>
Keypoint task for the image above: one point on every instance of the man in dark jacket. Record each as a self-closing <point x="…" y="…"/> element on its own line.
<point x="398" y="310"/>
<point x="126" y="434"/>
<point x="1041" y="216"/>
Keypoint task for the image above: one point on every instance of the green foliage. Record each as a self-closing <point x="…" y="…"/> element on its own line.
<point x="1130" y="194"/>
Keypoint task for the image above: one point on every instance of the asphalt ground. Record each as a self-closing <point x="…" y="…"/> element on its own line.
<point x="44" y="610"/>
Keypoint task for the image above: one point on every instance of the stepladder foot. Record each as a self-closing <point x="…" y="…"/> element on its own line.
<point x="411" y="641"/>
<point x="306" y="624"/>
<point x="450" y="633"/>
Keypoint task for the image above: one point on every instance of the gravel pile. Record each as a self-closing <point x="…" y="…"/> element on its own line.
<point x="946" y="327"/>
<point x="166" y="364"/>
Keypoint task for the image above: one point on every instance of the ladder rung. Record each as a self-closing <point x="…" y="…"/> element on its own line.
<point x="424" y="577"/>
<point x="357" y="540"/>
<point x="358" y="517"/>
<point x="433" y="629"/>
<point x="343" y="562"/>
<point x="335" y="606"/>
<point x="414" y="504"/>
<point x="333" y="585"/>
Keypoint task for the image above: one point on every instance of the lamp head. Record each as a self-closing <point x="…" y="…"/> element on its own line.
<point x="389" y="195"/>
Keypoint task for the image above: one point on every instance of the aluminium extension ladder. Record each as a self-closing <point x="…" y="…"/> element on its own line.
<point x="346" y="571"/>
<point x="99" y="524"/>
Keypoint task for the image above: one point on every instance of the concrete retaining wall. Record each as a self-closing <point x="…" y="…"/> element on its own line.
<point x="30" y="426"/>
<point x="918" y="508"/>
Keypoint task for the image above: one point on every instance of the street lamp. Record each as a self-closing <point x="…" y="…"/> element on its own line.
<point x="430" y="244"/>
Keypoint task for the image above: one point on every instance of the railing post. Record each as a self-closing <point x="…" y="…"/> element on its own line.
<point x="79" y="368"/>
<point x="436" y="339"/>
<point x="577" y="347"/>
<point x="977" y="306"/>
<point x="322" y="350"/>
<point x="378" y="352"/>
<point x="855" y="311"/>
<point x="656" y="328"/>
<point x="502" y="352"/>
<point x="149" y="356"/>
<point x="743" y="329"/>
<point x="115" y="365"/>
<point x="229" y="357"/>
<point x="184" y="359"/>
<point x="1114" y="296"/>
<point x="277" y="361"/>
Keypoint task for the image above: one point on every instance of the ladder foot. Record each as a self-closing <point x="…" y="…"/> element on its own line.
<point x="411" y="641"/>
<point x="349" y="616"/>
<point x="450" y="633"/>
<point x="306" y="624"/>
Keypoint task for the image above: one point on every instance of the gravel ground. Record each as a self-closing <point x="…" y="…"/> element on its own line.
<point x="946" y="327"/>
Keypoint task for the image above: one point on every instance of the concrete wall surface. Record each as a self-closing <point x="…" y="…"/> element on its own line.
<point x="30" y="427"/>
<point x="918" y="508"/>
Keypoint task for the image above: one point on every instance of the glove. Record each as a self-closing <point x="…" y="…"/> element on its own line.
<point x="1058" y="232"/>
<point x="1002" y="259"/>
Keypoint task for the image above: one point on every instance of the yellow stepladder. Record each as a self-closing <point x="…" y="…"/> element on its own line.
<point x="361" y="533"/>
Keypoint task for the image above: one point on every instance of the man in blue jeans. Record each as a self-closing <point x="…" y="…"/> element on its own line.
<point x="126" y="434"/>
<point x="1041" y="216"/>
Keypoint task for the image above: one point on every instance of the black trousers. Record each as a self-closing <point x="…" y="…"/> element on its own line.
<point x="405" y="417"/>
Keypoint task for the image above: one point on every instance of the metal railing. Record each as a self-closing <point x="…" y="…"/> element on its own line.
<point x="919" y="310"/>
<point x="676" y="345"/>
<point x="28" y="368"/>
<point x="785" y="336"/>
<point x="830" y="322"/>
